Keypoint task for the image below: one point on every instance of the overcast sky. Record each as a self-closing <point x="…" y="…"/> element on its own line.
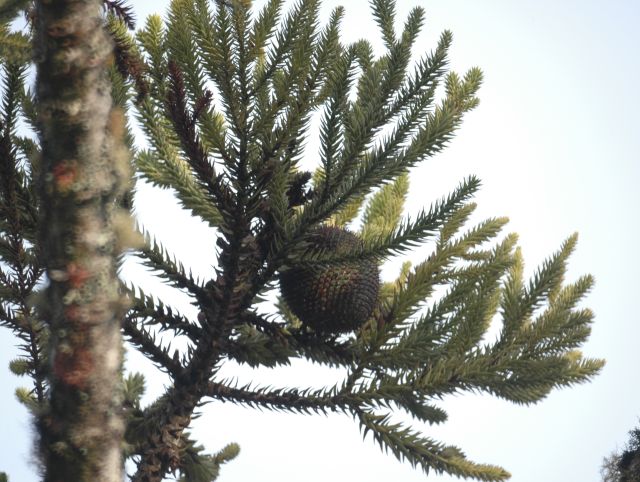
<point x="555" y="142"/>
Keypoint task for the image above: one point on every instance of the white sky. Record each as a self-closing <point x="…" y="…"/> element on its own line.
<point x="555" y="141"/>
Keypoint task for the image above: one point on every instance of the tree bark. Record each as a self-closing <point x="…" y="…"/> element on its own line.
<point x="83" y="172"/>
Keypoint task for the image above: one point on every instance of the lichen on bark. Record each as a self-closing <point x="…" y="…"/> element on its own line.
<point x="84" y="172"/>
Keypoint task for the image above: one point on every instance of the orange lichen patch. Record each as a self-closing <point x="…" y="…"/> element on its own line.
<point x="77" y="275"/>
<point x="65" y="173"/>
<point x="73" y="367"/>
<point x="72" y="312"/>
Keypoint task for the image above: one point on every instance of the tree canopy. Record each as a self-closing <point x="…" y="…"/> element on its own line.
<point x="224" y="95"/>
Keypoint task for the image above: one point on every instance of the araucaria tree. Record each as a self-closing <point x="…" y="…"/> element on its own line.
<point x="59" y="216"/>
<point x="225" y="96"/>
<point x="623" y="466"/>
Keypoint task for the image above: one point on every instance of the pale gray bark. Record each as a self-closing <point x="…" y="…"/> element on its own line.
<point x="83" y="173"/>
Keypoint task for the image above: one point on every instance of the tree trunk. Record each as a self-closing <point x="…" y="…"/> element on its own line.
<point x="82" y="174"/>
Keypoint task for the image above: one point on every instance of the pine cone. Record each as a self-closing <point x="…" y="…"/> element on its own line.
<point x="332" y="297"/>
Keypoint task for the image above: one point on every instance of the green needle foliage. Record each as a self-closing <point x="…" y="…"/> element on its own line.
<point x="224" y="95"/>
<point x="624" y="465"/>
